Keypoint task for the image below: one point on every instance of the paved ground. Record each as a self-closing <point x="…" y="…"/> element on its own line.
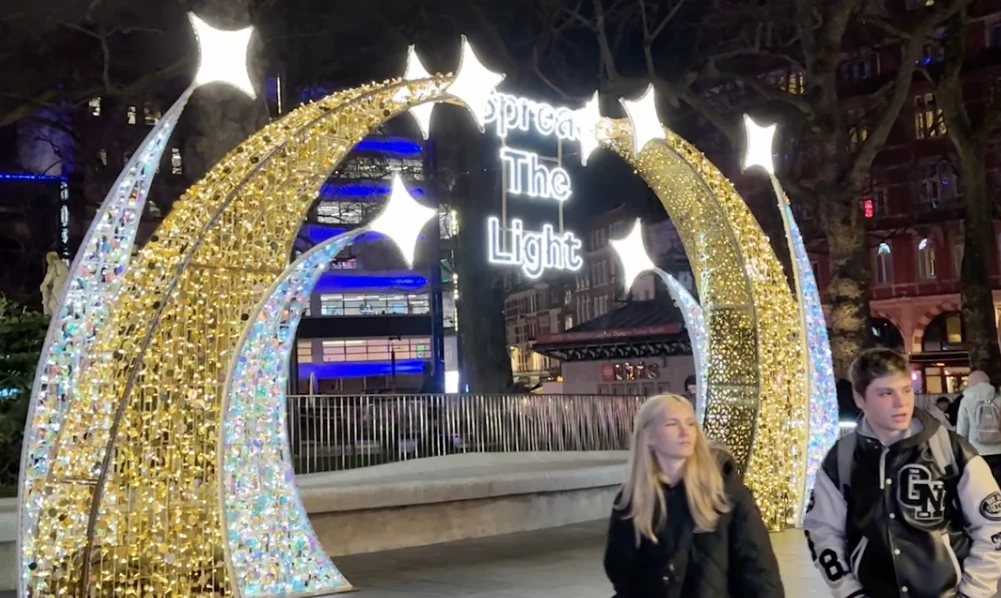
<point x="560" y="563"/>
<point x="554" y="563"/>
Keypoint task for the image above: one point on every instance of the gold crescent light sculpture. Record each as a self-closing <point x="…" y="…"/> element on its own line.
<point x="133" y="505"/>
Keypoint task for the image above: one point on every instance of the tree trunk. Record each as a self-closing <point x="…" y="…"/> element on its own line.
<point x="980" y="327"/>
<point x="219" y="116"/>
<point x="466" y="160"/>
<point x="850" y="281"/>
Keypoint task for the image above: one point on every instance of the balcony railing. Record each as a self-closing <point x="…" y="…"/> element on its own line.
<point x="333" y="433"/>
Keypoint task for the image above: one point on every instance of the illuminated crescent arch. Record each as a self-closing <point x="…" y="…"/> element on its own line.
<point x="755" y="402"/>
<point x="133" y="496"/>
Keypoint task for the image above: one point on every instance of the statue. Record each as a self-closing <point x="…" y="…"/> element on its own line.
<point x="52" y="284"/>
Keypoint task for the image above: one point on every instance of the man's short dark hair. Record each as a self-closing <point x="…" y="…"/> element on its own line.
<point x="876" y="363"/>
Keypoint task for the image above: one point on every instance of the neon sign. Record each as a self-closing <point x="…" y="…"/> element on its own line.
<point x="535" y="252"/>
<point x="527" y="175"/>
<point x="512" y="113"/>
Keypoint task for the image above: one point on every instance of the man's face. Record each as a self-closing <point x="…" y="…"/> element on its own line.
<point x="888" y="403"/>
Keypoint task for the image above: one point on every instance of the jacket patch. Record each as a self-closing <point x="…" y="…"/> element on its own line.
<point x="996" y="540"/>
<point x="990" y="507"/>
<point x="923" y="497"/>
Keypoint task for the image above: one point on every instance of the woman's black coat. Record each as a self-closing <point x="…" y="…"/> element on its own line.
<point x="734" y="561"/>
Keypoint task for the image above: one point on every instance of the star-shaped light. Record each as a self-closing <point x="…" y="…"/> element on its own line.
<point x="632" y="254"/>
<point x="474" y="83"/>
<point x="402" y="219"/>
<point x="758" y="151"/>
<point x="416" y="72"/>
<point x="643" y="116"/>
<point x="586" y="120"/>
<point x="223" y="55"/>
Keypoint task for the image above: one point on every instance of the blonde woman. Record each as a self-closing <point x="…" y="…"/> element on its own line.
<point x="683" y="525"/>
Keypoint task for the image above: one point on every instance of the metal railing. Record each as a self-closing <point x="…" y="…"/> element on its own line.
<point x="333" y="433"/>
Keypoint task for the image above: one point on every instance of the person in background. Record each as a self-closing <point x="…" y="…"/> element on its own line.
<point x="683" y="525"/>
<point x="941" y="412"/>
<point x="847" y="411"/>
<point x="953" y="412"/>
<point x="979" y="420"/>
<point x="903" y="508"/>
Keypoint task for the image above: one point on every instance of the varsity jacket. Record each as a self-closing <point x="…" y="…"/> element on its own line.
<point x="903" y="527"/>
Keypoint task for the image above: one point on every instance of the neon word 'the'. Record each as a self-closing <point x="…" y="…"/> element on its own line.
<point x="526" y="174"/>
<point x="512" y="113"/>
<point x="535" y="252"/>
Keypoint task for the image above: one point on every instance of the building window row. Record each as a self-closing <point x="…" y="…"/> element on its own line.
<point x="929" y="122"/>
<point x="366" y="349"/>
<point x="343" y="304"/>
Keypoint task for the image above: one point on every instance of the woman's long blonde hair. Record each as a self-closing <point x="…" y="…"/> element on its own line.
<point x="642" y="496"/>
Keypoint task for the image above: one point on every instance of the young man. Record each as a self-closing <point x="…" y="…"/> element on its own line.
<point x="902" y="507"/>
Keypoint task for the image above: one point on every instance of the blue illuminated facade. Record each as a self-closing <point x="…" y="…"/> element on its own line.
<point x="355" y="314"/>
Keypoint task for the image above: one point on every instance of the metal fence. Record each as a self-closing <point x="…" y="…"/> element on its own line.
<point x="332" y="433"/>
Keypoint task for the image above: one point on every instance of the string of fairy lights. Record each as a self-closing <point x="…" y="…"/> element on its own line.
<point x="145" y="463"/>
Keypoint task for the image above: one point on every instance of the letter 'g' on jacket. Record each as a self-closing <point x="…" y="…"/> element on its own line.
<point x="734" y="561"/>
<point x="906" y="523"/>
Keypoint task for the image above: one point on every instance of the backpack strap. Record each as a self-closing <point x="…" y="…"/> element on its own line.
<point x="846" y="459"/>
<point x="941" y="450"/>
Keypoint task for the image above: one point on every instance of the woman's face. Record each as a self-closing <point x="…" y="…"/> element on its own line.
<point x="672" y="432"/>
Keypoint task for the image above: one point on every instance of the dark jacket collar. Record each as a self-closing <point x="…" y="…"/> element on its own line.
<point x="923" y="426"/>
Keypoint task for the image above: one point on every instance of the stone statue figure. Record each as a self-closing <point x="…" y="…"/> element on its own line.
<point x="52" y="285"/>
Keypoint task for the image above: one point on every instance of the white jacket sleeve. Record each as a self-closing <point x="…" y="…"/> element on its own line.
<point x="980" y="500"/>
<point x="824" y="524"/>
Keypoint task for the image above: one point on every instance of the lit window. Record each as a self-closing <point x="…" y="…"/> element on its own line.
<point x="926" y="260"/>
<point x="304" y="351"/>
<point x="150" y="115"/>
<point x="884" y="264"/>
<point x="858" y="131"/>
<point x="95" y="106"/>
<point x="954" y="329"/>
<point x="937" y="184"/>
<point x="795" y="84"/>
<point x="928" y="120"/>
<point x="130" y="115"/>
<point x="176" y="165"/>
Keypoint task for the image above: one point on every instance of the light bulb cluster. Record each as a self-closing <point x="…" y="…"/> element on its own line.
<point x="138" y="455"/>
<point x="755" y="373"/>
<point x="820" y="382"/>
<point x="231" y="231"/>
<point x="94" y="280"/>
<point x="691" y="313"/>
<point x="273" y="549"/>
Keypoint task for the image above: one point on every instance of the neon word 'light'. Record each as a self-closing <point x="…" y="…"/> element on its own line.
<point x="512" y="113"/>
<point x="527" y="175"/>
<point x="535" y="252"/>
